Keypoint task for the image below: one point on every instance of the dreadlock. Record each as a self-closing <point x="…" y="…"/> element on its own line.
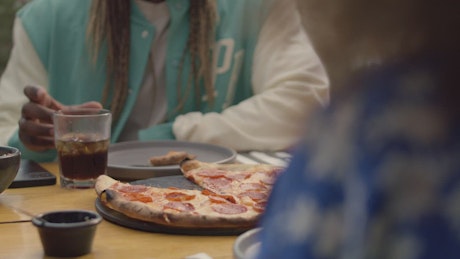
<point x="109" y="24"/>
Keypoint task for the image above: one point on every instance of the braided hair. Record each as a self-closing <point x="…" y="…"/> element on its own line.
<point x="109" y="23"/>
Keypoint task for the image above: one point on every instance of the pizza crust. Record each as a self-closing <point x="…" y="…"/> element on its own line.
<point x="103" y="182"/>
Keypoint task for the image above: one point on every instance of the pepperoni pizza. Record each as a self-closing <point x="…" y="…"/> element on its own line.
<point x="231" y="196"/>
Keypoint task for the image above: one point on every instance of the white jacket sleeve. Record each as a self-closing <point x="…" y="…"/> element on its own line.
<point x="24" y="68"/>
<point x="289" y="81"/>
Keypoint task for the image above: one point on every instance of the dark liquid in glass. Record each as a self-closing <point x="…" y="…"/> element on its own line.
<point x="82" y="159"/>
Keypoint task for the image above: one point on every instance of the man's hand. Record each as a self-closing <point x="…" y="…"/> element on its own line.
<point x="36" y="124"/>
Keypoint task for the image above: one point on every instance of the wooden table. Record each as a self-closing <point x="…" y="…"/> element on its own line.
<point x="19" y="238"/>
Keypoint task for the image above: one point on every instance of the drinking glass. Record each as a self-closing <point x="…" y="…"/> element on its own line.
<point x="82" y="138"/>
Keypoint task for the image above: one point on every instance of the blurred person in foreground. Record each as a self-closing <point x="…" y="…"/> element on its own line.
<point x="235" y="73"/>
<point x="378" y="172"/>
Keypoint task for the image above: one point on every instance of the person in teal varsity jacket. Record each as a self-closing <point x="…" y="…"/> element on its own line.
<point x="237" y="73"/>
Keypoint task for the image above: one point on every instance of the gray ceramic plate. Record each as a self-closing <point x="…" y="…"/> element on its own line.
<point x="129" y="161"/>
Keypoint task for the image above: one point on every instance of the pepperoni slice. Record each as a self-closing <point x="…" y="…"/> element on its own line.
<point x="252" y="187"/>
<point x="131" y="188"/>
<point x="239" y="177"/>
<point x="218" y="198"/>
<point x="179" y="196"/>
<point x="207" y="192"/>
<point x="254" y="195"/>
<point x="179" y="206"/>
<point x="217" y="183"/>
<point x="133" y="196"/>
<point x="229" y="208"/>
<point x="260" y="206"/>
<point x="211" y="173"/>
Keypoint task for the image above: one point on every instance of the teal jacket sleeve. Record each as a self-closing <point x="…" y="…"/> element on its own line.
<point x="45" y="156"/>
<point x="161" y="131"/>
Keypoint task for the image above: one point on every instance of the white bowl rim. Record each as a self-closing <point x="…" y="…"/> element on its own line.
<point x="238" y="252"/>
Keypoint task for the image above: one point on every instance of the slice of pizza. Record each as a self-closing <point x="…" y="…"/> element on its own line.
<point x="170" y="158"/>
<point x="175" y="207"/>
<point x="249" y="184"/>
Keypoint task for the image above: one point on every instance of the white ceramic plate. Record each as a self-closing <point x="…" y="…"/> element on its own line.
<point x="129" y="161"/>
<point x="247" y="245"/>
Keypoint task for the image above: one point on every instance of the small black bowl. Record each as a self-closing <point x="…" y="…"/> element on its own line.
<point x="67" y="233"/>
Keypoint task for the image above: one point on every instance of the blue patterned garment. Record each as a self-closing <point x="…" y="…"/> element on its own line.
<point x="377" y="175"/>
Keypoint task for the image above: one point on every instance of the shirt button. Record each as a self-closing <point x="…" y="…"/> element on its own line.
<point x="178" y="6"/>
<point x="145" y="34"/>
